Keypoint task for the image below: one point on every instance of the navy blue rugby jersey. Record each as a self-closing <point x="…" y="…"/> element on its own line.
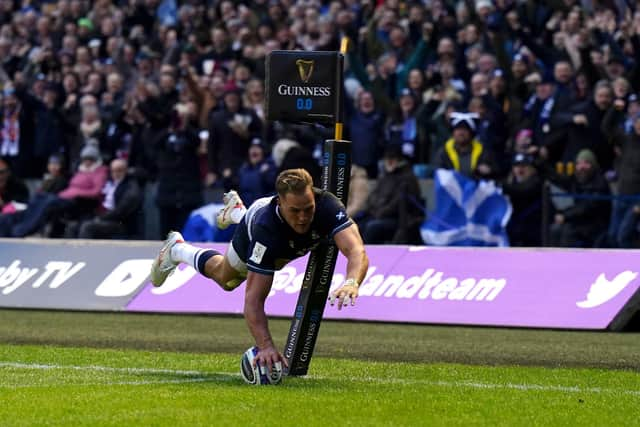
<point x="265" y="242"/>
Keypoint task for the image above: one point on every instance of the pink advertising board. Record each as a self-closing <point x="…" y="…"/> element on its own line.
<point x="546" y="288"/>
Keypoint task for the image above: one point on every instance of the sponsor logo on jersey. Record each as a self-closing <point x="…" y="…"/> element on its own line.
<point x="258" y="253"/>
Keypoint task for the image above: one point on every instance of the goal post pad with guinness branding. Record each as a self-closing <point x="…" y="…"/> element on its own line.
<point x="318" y="275"/>
<point x="303" y="87"/>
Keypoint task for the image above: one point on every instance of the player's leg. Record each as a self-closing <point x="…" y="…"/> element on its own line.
<point x="228" y="274"/>
<point x="227" y="271"/>
<point x="208" y="262"/>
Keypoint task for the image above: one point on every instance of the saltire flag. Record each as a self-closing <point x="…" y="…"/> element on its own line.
<point x="201" y="225"/>
<point x="467" y="212"/>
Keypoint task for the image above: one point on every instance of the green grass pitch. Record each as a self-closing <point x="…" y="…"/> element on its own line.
<point x="73" y="369"/>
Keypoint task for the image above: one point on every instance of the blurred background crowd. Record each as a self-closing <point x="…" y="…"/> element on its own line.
<point x="119" y="118"/>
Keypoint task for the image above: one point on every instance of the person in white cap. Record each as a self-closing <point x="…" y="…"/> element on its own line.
<point x="463" y="152"/>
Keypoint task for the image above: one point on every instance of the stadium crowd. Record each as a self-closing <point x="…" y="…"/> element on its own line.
<point x="105" y="102"/>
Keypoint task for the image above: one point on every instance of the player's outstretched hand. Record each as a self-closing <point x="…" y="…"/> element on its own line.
<point x="269" y="357"/>
<point x="345" y="295"/>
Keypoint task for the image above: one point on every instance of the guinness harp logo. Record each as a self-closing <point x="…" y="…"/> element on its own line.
<point x="305" y="69"/>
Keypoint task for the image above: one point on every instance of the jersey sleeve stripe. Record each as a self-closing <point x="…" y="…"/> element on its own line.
<point x="340" y="228"/>
<point x="260" y="270"/>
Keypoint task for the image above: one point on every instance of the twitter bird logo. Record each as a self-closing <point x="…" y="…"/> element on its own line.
<point x="603" y="290"/>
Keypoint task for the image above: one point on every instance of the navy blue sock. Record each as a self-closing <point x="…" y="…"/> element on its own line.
<point x="201" y="258"/>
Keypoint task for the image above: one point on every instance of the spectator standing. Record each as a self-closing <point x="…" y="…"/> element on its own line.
<point x="365" y="130"/>
<point x="508" y="106"/>
<point x="491" y="131"/>
<point x="583" y="128"/>
<point x="633" y="108"/>
<point x="90" y="128"/>
<point x="538" y="110"/>
<point x="625" y="212"/>
<point x="179" y="185"/>
<point x="257" y="175"/>
<point x="231" y="130"/>
<point x="403" y="130"/>
<point x="518" y="86"/>
<point x="17" y="133"/>
<point x="50" y="126"/>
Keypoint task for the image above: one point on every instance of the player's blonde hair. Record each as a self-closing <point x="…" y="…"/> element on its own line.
<point x="293" y="181"/>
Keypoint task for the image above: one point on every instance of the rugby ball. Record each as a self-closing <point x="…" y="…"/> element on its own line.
<point x="258" y="375"/>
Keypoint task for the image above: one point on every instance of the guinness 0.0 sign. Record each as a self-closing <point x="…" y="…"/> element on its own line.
<point x="303" y="86"/>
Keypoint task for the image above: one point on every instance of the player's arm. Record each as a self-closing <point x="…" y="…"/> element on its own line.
<point x="257" y="289"/>
<point x="350" y="244"/>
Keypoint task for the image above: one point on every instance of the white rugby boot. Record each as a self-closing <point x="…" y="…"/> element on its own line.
<point x="163" y="265"/>
<point x="232" y="212"/>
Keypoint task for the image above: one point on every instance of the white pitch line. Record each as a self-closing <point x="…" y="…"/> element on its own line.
<point x="202" y="376"/>
<point x="155" y="382"/>
<point x="509" y="386"/>
<point x="101" y="368"/>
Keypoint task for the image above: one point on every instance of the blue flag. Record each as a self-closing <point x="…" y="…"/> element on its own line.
<point x="467" y="213"/>
<point x="201" y="225"/>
